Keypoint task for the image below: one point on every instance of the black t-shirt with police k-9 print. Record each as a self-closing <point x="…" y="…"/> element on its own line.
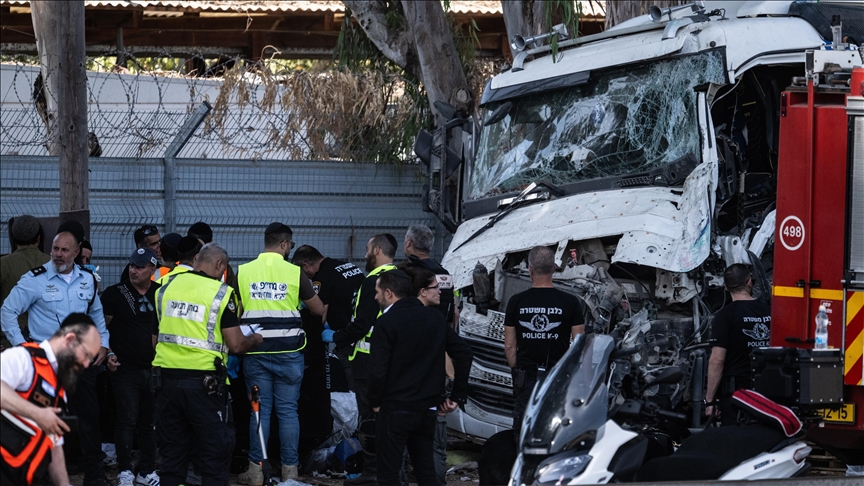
<point x="543" y="318"/>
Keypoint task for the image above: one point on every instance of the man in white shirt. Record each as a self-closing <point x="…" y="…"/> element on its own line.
<point x="33" y="383"/>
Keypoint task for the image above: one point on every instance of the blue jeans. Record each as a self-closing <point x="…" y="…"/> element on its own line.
<point x="278" y="377"/>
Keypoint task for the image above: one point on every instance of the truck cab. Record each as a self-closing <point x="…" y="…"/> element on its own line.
<point x="647" y="157"/>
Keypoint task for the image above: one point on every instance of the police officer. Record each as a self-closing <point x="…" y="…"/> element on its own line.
<point x="380" y="251"/>
<point x="417" y="245"/>
<point x="198" y="326"/>
<point x="737" y="329"/>
<point x="50" y="293"/>
<point x="271" y="290"/>
<point x="337" y="283"/>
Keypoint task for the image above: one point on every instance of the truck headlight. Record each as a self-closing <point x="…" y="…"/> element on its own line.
<point x="561" y="468"/>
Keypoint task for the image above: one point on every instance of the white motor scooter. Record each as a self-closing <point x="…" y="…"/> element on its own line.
<point x="568" y="436"/>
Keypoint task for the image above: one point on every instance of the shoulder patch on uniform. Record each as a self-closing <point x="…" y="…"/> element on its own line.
<point x="231" y="306"/>
<point x="38" y="270"/>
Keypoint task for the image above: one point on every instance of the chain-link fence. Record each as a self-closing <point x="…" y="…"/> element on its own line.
<point x="335" y="207"/>
<point x="244" y="165"/>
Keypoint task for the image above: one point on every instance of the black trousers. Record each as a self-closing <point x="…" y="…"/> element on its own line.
<point x="192" y="425"/>
<point x="84" y="403"/>
<point x="135" y="410"/>
<point x="523" y="384"/>
<point x="364" y="408"/>
<point x="395" y="430"/>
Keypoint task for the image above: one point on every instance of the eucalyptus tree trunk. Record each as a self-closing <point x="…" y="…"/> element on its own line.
<point x="618" y="11"/>
<point x="524" y="17"/>
<point x="423" y="46"/>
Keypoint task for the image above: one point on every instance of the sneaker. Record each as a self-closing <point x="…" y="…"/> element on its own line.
<point x="151" y="479"/>
<point x="125" y="478"/>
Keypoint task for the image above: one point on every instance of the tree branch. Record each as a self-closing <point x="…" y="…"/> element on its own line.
<point x="396" y="44"/>
<point x="443" y="75"/>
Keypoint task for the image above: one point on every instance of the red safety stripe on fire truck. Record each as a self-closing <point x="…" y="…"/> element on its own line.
<point x="854" y="372"/>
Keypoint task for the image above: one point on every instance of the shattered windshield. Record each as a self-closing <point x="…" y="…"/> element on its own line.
<point x="622" y="121"/>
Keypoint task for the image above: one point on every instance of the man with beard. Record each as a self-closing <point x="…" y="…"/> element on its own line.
<point x="50" y="293"/>
<point x="131" y="318"/>
<point x="34" y="379"/>
<point x="271" y="291"/>
<point x="337" y="284"/>
<point x="380" y="251"/>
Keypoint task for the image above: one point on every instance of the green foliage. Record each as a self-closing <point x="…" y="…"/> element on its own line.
<point x="19" y="59"/>
<point x="357" y="54"/>
<point x="569" y="12"/>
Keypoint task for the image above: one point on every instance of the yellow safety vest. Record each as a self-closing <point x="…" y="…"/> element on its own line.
<point x="189" y="307"/>
<point x="270" y="292"/>
<point x="363" y="345"/>
<point x="174" y="271"/>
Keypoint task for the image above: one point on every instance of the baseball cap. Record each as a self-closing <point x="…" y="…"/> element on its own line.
<point x="143" y="257"/>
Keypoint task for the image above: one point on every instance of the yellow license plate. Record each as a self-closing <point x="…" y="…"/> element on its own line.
<point x="842" y="415"/>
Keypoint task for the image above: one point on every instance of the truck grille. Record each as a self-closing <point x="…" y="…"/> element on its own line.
<point x="488" y="353"/>
<point x="492" y="399"/>
<point x="490" y="326"/>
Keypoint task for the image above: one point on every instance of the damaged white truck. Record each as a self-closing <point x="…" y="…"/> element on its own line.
<point x="647" y="156"/>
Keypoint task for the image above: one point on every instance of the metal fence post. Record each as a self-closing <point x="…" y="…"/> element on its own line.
<point x="170" y="182"/>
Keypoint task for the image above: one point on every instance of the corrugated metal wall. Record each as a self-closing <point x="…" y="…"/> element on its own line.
<point x="335" y="207"/>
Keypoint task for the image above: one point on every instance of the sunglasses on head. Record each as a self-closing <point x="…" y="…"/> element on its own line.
<point x="149" y="230"/>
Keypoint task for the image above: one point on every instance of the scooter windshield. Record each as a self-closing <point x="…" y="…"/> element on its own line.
<point x="572" y="400"/>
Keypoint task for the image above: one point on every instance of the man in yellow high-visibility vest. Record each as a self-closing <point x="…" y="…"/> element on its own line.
<point x="198" y="326"/>
<point x="271" y="290"/>
<point x="380" y="251"/>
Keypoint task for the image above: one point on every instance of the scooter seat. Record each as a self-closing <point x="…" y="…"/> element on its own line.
<point x="710" y="453"/>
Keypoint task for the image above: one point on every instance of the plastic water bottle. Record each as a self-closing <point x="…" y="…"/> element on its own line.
<point x="821" y="328"/>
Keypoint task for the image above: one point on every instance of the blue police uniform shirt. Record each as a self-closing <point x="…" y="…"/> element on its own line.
<point x="49" y="299"/>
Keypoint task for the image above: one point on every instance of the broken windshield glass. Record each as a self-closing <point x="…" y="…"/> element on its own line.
<point x="623" y="121"/>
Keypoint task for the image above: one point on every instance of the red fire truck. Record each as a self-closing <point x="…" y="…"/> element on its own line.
<point x="819" y="240"/>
